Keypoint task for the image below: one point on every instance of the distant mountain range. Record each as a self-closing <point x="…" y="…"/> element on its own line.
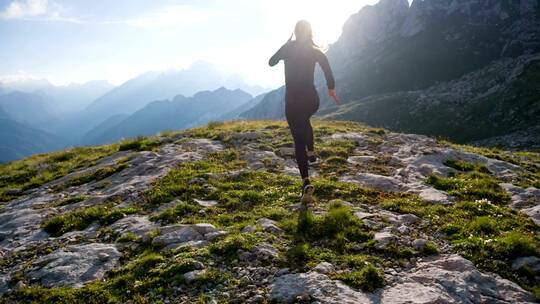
<point x="97" y="112"/>
<point x="76" y="97"/>
<point x="463" y="69"/>
<point x="235" y="113"/>
<point x="179" y="113"/>
<point x="60" y="100"/>
<point x="28" y="108"/>
<point x="3" y="114"/>
<point x="21" y="114"/>
<point x="138" y="92"/>
<point x="18" y="140"/>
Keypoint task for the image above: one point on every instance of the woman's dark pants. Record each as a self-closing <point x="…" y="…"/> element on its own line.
<point x="301" y="103"/>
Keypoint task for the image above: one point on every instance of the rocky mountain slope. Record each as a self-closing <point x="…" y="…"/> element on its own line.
<point x="212" y="215"/>
<point x="439" y="67"/>
<point x="272" y="106"/>
<point x="391" y="47"/>
<point x="493" y="101"/>
<point x="235" y="112"/>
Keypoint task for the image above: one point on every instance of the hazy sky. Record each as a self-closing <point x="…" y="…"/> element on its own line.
<point x="79" y="40"/>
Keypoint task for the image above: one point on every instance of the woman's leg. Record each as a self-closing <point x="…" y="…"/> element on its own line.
<point x="296" y="121"/>
<point x="304" y="132"/>
<point x="310" y="144"/>
<point x="299" y="137"/>
<point x="314" y="106"/>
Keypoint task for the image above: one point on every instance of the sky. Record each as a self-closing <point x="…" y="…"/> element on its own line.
<point x="66" y="41"/>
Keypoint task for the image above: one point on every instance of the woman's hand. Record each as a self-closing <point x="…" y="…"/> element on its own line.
<point x="332" y="93"/>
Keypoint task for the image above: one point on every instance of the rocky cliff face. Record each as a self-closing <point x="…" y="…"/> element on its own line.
<point x="423" y="13"/>
<point x="494" y="101"/>
<point x="213" y="214"/>
<point x="373" y="24"/>
<point x="386" y="48"/>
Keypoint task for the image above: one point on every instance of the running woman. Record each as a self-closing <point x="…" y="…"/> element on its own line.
<point x="301" y="98"/>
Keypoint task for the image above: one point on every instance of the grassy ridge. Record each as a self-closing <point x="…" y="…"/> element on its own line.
<point x="480" y="226"/>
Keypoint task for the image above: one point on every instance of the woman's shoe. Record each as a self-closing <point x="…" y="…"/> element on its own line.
<point x="311" y="156"/>
<point x="307" y="194"/>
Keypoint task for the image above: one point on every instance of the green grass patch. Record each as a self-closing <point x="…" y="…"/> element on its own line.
<point x="430" y="249"/>
<point x="460" y="165"/>
<point x="72" y="200"/>
<point x="177" y="212"/>
<point x="210" y="277"/>
<point x="337" y="231"/>
<point x="471" y="186"/>
<point x="214" y="124"/>
<point x="81" y="219"/>
<point x="339" y="226"/>
<point x="39" y="169"/>
<point x="298" y="254"/>
<point x="243" y="196"/>
<point x="483" y="226"/>
<point x="368" y="278"/>
<point x="491" y="236"/>
<point x="94" y="176"/>
<point x="139" y="144"/>
<point x="528" y="161"/>
<point x="144" y="279"/>
<point x="334" y="154"/>
<point x="176" y="183"/>
<point x="93" y="293"/>
<point x="127" y="237"/>
<point x="228" y="247"/>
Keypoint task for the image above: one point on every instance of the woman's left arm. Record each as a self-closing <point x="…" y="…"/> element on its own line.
<point x="330" y="82"/>
<point x="325" y="66"/>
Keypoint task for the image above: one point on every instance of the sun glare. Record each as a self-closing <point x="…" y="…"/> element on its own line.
<point x="326" y="17"/>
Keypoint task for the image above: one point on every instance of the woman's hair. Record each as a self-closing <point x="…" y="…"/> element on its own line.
<point x="303" y="32"/>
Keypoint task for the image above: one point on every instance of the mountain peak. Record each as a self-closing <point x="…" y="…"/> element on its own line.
<point x="92" y="83"/>
<point x="221" y="91"/>
<point x="372" y="24"/>
<point x="396" y="7"/>
<point x="423" y="13"/>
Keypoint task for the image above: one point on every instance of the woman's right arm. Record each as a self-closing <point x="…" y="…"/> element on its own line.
<point x="280" y="54"/>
